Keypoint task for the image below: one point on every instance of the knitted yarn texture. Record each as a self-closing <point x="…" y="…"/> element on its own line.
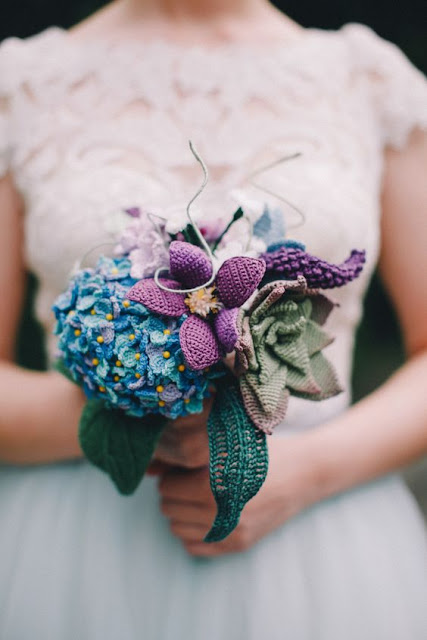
<point x="279" y="351"/>
<point x="238" y="458"/>
<point x="289" y="263"/>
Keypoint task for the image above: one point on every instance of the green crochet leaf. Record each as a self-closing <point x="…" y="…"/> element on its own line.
<point x="120" y="445"/>
<point x="280" y="352"/>
<point x="238" y="458"/>
<point x="59" y="365"/>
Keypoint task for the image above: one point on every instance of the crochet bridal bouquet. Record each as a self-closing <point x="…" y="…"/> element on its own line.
<point x="146" y="334"/>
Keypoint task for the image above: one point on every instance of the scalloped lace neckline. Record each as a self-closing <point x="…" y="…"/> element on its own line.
<point x="157" y="43"/>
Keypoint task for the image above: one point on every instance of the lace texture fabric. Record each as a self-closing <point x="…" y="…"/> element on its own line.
<point x="87" y="129"/>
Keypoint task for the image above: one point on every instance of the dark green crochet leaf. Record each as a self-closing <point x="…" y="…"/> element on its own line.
<point x="120" y="445"/>
<point x="238" y="458"/>
<point x="61" y="368"/>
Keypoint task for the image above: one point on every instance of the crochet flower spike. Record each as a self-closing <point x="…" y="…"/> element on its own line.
<point x="289" y="263"/>
<point x="210" y="330"/>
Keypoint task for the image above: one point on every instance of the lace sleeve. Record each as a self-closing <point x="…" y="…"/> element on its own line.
<point x="4" y="131"/>
<point x="399" y="89"/>
<point x="6" y="74"/>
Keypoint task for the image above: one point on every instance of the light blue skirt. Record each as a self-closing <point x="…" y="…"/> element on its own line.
<point x="80" y="562"/>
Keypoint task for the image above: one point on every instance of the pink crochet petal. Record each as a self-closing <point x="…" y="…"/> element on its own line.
<point x="154" y="298"/>
<point x="189" y="264"/>
<point x="226" y="328"/>
<point x="238" y="278"/>
<point x="199" y="344"/>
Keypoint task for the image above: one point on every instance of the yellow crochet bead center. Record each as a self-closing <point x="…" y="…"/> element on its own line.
<point x="181" y="368"/>
<point x="132" y="336"/>
<point x="166" y="354"/>
<point x="114" y="271"/>
<point x="109" y="316"/>
<point x="166" y="332"/>
<point x="95" y="362"/>
<point x="137" y="356"/>
<point x="92" y="312"/>
<point x="187" y="400"/>
<point x="100" y="339"/>
<point x="137" y="376"/>
<point x="116" y="378"/>
<point x="102" y="389"/>
<point x="118" y="363"/>
<point x="159" y="389"/>
<point x="126" y="303"/>
<point x="77" y="332"/>
<point x="162" y="403"/>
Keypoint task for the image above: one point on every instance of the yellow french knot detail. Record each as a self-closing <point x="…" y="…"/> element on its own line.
<point x="102" y="389"/>
<point x="92" y="312"/>
<point x="181" y="367"/>
<point x="166" y="354"/>
<point x="100" y="339"/>
<point x="137" y="356"/>
<point x="166" y="332"/>
<point x="118" y="363"/>
<point x="126" y="303"/>
<point x="132" y="336"/>
<point x="116" y="378"/>
<point x="77" y="333"/>
<point x="109" y="316"/>
<point x="137" y="376"/>
<point x="95" y="362"/>
<point x="159" y="389"/>
<point x="162" y="403"/>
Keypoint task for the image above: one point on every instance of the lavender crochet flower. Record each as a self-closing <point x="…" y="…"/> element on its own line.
<point x="210" y="331"/>
<point x="143" y="245"/>
<point x="287" y="263"/>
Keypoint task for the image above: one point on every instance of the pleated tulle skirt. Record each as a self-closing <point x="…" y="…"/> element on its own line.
<point x="80" y="562"/>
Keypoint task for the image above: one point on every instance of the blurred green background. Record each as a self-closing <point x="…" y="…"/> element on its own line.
<point x="379" y="348"/>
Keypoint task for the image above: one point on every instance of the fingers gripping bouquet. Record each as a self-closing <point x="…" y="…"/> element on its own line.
<point x="148" y="343"/>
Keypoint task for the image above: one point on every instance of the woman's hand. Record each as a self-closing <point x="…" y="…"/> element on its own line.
<point x="184" y="443"/>
<point x="188" y="503"/>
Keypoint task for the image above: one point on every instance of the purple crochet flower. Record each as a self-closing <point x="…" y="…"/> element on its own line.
<point x="210" y="331"/>
<point x="288" y="263"/>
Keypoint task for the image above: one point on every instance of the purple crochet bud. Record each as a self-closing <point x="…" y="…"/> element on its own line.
<point x="288" y="264"/>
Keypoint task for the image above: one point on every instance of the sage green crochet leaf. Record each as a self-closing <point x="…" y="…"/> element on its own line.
<point x="120" y="445"/>
<point x="238" y="459"/>
<point x="279" y="352"/>
<point x="326" y="379"/>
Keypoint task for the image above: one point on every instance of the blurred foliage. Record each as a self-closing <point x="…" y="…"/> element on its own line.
<point x="378" y="348"/>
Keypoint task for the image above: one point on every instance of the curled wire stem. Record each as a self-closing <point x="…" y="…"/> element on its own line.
<point x="80" y="263"/>
<point x="198" y="234"/>
<point x="270" y="165"/>
<point x="273" y="193"/>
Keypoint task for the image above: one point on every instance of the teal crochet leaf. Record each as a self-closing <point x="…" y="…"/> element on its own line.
<point x="120" y="445"/>
<point x="238" y="458"/>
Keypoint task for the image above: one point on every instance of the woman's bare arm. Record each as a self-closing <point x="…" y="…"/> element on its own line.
<point x="388" y="429"/>
<point x="39" y="412"/>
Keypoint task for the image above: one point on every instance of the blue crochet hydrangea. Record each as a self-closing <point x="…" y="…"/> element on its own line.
<point x="121" y="352"/>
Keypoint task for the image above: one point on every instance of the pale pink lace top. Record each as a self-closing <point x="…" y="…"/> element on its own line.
<point x="87" y="129"/>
